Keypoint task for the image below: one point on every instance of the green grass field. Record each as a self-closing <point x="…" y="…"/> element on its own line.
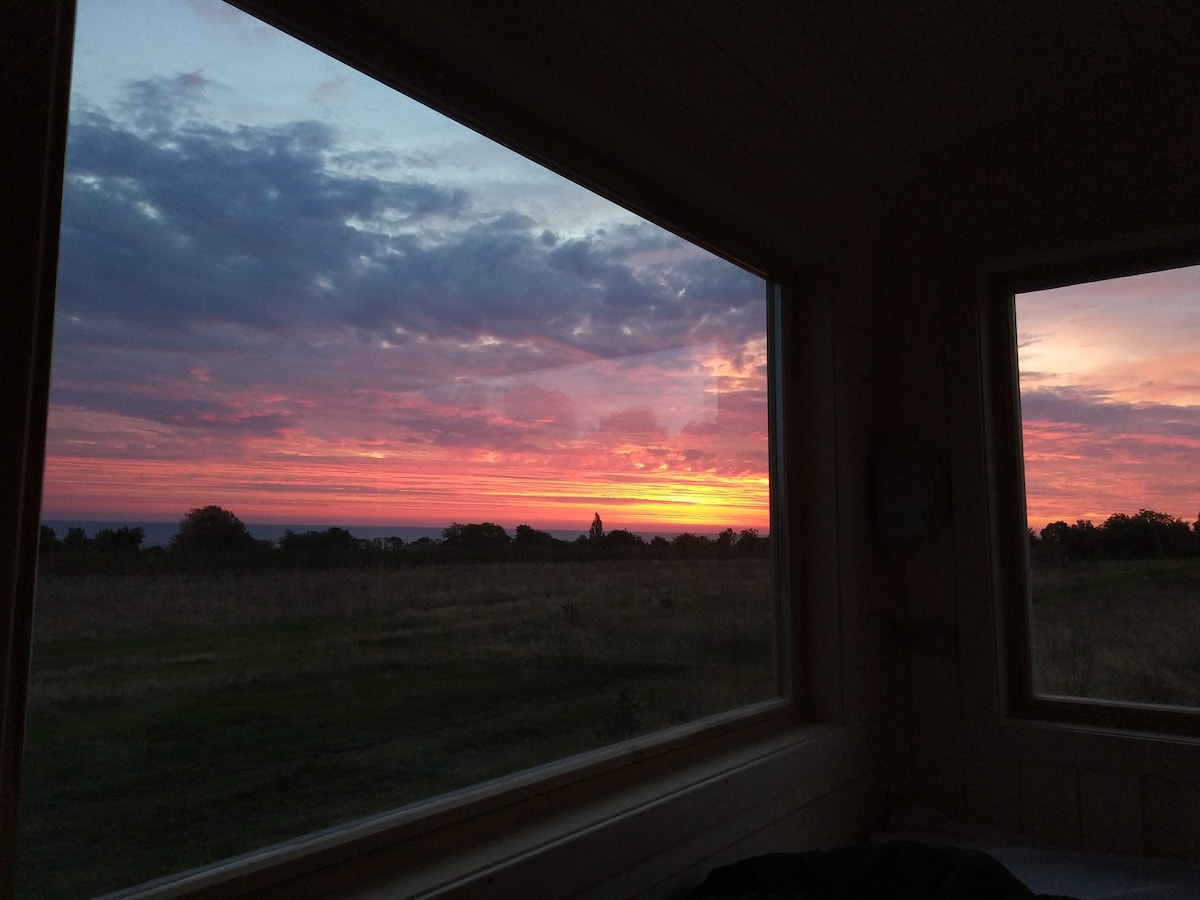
<point x="177" y="720"/>
<point x="1123" y="631"/>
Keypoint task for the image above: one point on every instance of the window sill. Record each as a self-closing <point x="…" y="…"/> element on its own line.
<point x="1107" y="716"/>
<point x="1077" y="744"/>
<point x="473" y="834"/>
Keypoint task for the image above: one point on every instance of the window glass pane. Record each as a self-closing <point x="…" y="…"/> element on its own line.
<point x="1110" y="405"/>
<point x="381" y="461"/>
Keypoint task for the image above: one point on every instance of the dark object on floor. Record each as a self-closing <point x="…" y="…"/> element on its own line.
<point x="873" y="871"/>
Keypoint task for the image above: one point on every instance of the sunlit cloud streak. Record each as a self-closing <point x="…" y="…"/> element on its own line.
<point x="272" y="316"/>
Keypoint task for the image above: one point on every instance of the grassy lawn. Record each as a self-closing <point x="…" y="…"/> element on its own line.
<point x="176" y="721"/>
<point x="1126" y="631"/>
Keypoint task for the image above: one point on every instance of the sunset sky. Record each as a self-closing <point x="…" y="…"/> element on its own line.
<point x="1110" y="397"/>
<point x="292" y="292"/>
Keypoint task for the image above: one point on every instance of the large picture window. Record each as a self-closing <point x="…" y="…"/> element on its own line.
<point x="1110" y="411"/>
<point x="381" y="462"/>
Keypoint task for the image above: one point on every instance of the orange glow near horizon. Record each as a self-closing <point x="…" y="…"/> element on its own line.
<point x="691" y="461"/>
<point x="164" y="491"/>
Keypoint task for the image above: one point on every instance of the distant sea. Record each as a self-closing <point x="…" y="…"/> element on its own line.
<point x="160" y="533"/>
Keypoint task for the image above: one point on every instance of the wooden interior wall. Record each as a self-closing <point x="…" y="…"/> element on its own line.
<point x="1108" y="170"/>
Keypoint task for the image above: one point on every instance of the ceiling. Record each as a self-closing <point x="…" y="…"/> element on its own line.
<point x="772" y="131"/>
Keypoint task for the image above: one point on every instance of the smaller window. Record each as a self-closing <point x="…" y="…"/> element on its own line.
<point x="1109" y="401"/>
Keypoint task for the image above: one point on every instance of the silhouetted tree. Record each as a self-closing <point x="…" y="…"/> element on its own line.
<point x="320" y="549"/>
<point x="423" y="547"/>
<point x="1117" y="536"/>
<point x="690" y="545"/>
<point x="725" y="540"/>
<point x="1145" y="535"/>
<point x="623" y="542"/>
<point x="527" y="536"/>
<point x="1154" y="534"/>
<point x="119" y="541"/>
<point x="48" y="541"/>
<point x="115" y="550"/>
<point x="76" y="541"/>
<point x="1056" y="534"/>
<point x="531" y="544"/>
<point x="1083" y="540"/>
<point x="484" y="539"/>
<point x="596" y="532"/>
<point x="212" y="535"/>
<point x="750" y="544"/>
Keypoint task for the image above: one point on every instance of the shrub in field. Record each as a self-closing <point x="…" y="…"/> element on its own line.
<point x="212" y="536"/>
<point x="112" y="550"/>
<point x="319" y="549"/>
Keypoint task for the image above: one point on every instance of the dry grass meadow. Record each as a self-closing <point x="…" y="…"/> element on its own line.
<point x="1121" y="631"/>
<point x="176" y="720"/>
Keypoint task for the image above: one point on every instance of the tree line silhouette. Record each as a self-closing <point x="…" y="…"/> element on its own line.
<point x="1144" y="535"/>
<point x="211" y="537"/>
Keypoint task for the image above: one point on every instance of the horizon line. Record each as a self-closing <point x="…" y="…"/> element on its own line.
<point x="660" y="528"/>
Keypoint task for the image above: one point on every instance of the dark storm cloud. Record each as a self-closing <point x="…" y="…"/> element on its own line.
<point x="201" y="223"/>
<point x="182" y="412"/>
<point x="500" y="277"/>
<point x="270" y="246"/>
<point x="1099" y="412"/>
<point x="158" y="103"/>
